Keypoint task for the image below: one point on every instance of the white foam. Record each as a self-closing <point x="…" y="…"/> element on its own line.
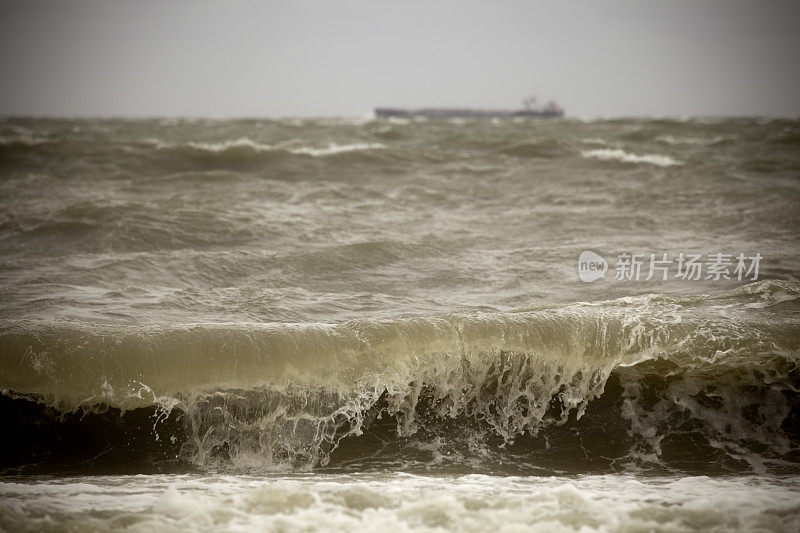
<point x="334" y="148"/>
<point x="217" y="147"/>
<point x="247" y="143"/>
<point x="27" y="140"/>
<point x="401" y="502"/>
<point x="242" y="142"/>
<point x="605" y="154"/>
<point x="699" y="141"/>
<point x="594" y="140"/>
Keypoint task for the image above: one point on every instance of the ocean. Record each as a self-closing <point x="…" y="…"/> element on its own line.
<point x="374" y="325"/>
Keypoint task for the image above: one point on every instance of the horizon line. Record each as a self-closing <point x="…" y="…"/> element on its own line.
<point x="371" y="116"/>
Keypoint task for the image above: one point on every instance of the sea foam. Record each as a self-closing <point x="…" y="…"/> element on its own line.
<point x="626" y="157"/>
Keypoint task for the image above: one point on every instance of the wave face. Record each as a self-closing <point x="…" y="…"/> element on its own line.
<point x="658" y="381"/>
<point x="348" y="295"/>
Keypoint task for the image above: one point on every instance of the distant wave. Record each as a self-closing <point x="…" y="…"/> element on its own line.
<point x="700" y="141"/>
<point x="334" y="148"/>
<point x="248" y="144"/>
<point x="23" y="140"/>
<point x="544" y="149"/>
<point x="594" y="140"/>
<point x="244" y="142"/>
<point x="215" y="147"/>
<point x="626" y="157"/>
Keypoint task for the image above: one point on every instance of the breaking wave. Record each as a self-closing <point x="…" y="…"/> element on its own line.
<point x="245" y="143"/>
<point x="701" y="141"/>
<point x="626" y="157"/>
<point x="334" y="148"/>
<point x="656" y="381"/>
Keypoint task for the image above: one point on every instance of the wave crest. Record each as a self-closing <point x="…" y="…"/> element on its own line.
<point x="283" y="395"/>
<point x="617" y="154"/>
<point x="247" y="144"/>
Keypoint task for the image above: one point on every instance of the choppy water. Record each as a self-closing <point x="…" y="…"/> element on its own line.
<point x="401" y="502"/>
<point x="380" y="324"/>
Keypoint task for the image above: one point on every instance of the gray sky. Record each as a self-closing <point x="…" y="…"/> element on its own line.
<point x="322" y="58"/>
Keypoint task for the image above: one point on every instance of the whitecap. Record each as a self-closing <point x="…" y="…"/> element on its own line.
<point x="700" y="141"/>
<point x="334" y="148"/>
<point x="594" y="140"/>
<point x="217" y="147"/>
<point x="242" y="142"/>
<point x="626" y="157"/>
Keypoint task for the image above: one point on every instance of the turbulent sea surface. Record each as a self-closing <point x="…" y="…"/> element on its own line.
<point x="379" y="325"/>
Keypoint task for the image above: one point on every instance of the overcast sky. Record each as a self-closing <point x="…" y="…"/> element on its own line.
<point x="326" y="58"/>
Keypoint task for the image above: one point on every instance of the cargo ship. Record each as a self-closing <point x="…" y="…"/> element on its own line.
<point x="530" y="109"/>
